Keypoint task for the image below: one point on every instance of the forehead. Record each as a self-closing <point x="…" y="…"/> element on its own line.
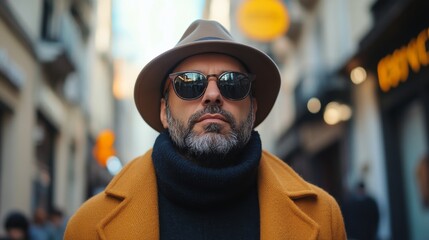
<point x="210" y="62"/>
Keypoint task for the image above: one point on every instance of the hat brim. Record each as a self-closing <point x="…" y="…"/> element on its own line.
<point x="265" y="88"/>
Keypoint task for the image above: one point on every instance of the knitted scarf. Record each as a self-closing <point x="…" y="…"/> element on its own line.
<point x="197" y="202"/>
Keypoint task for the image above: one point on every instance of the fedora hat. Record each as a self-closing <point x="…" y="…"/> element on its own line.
<point x="205" y="36"/>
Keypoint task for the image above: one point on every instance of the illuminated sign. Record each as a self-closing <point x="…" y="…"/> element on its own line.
<point x="263" y="20"/>
<point x="394" y="68"/>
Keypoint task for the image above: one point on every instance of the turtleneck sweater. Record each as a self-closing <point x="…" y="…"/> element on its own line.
<point x="197" y="202"/>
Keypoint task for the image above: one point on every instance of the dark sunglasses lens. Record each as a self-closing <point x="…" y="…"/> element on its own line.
<point x="233" y="85"/>
<point x="189" y="85"/>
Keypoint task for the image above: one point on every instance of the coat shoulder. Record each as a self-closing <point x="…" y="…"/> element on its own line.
<point x="314" y="201"/>
<point x="330" y="214"/>
<point x="87" y="222"/>
<point x="84" y="223"/>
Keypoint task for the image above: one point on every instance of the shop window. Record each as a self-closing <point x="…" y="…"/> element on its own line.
<point x="45" y="135"/>
<point x="1" y="152"/>
<point x="326" y="172"/>
<point x="5" y="113"/>
<point x="414" y="161"/>
<point x="71" y="176"/>
<point x="380" y="8"/>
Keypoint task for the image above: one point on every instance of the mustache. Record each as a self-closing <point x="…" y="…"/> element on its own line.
<point x="211" y="109"/>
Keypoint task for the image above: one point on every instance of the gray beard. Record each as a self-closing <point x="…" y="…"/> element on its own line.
<point x="211" y="144"/>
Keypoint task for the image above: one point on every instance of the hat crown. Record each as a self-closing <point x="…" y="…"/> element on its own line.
<point x="201" y="30"/>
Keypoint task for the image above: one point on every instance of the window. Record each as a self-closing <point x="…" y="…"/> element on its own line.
<point x="47" y="21"/>
<point x="45" y="135"/>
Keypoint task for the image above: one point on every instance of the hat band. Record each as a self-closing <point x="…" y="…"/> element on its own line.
<point x="208" y="38"/>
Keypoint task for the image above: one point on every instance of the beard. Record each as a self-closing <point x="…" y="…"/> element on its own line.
<point x="212" y="147"/>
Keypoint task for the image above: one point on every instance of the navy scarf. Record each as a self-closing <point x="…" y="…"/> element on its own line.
<point x="197" y="202"/>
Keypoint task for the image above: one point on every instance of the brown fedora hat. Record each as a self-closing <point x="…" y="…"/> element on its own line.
<point x="204" y="36"/>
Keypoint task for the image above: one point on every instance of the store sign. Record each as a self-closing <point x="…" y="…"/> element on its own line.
<point x="395" y="67"/>
<point x="263" y="20"/>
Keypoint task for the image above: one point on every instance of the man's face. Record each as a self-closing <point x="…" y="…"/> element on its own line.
<point x="211" y="124"/>
<point x="16" y="234"/>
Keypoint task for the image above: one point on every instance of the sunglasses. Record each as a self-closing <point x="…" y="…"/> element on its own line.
<point x="191" y="85"/>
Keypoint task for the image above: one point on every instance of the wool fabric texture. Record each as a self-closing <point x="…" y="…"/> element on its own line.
<point x="190" y="184"/>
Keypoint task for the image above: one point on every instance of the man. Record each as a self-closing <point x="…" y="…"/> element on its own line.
<point x="57" y="223"/>
<point x="361" y="214"/>
<point x="207" y="176"/>
<point x="39" y="228"/>
<point x="16" y="225"/>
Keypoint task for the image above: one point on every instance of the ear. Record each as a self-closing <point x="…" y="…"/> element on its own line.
<point x="255" y="108"/>
<point x="163" y="113"/>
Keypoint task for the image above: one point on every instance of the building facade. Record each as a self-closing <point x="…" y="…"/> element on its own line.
<point x="355" y="73"/>
<point x="55" y="97"/>
<point x="328" y="129"/>
<point x="395" y="53"/>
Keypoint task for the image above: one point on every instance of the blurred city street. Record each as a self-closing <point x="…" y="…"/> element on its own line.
<point x="351" y="117"/>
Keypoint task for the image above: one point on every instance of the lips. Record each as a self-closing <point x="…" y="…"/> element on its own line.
<point x="212" y="117"/>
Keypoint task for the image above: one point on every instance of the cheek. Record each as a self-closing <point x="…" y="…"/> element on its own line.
<point x="240" y="111"/>
<point x="181" y="112"/>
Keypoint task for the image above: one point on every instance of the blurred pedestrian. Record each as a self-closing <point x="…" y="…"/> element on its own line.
<point x="361" y="215"/>
<point x="207" y="176"/>
<point x="422" y="177"/>
<point x="17" y="226"/>
<point x="57" y="223"/>
<point x="39" y="228"/>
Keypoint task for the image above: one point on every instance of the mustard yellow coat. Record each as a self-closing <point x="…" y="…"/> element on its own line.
<point x="290" y="208"/>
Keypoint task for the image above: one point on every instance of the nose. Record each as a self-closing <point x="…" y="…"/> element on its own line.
<point x="212" y="95"/>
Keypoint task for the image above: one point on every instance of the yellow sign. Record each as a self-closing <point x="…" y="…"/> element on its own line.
<point x="263" y="20"/>
<point x="394" y="68"/>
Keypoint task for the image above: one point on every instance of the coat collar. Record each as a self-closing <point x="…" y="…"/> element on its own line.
<point x="137" y="212"/>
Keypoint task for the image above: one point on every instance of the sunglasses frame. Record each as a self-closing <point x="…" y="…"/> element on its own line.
<point x="173" y="76"/>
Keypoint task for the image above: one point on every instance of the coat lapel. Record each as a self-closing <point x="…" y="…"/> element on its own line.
<point x="281" y="218"/>
<point x="136" y="216"/>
